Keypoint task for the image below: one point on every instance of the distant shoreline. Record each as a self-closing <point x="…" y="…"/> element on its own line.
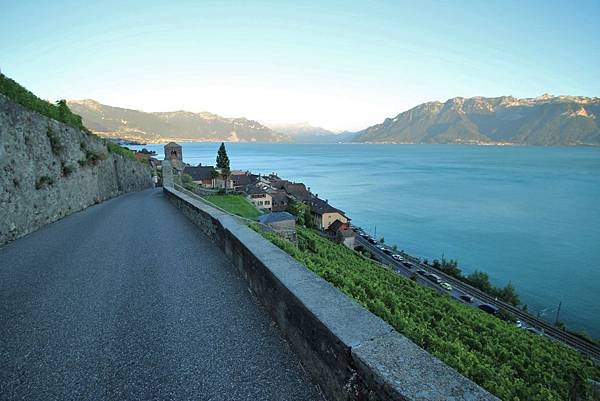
<point x="162" y="141"/>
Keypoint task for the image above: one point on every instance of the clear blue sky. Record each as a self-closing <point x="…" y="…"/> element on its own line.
<point x="342" y="65"/>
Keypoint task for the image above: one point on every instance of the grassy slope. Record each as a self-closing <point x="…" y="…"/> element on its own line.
<point x="235" y="204"/>
<point x="509" y="362"/>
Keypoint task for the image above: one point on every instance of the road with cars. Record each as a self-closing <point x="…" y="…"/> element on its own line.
<point x="426" y="275"/>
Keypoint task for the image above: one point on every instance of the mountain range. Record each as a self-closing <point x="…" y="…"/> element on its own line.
<point x="545" y="120"/>
<point x="116" y="122"/>
<point x="306" y="133"/>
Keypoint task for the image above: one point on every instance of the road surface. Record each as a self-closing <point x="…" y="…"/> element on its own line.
<point x="127" y="300"/>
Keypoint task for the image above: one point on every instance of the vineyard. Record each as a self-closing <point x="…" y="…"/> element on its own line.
<point x="508" y="362"/>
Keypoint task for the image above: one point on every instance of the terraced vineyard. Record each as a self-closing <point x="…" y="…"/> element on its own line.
<point x="510" y="363"/>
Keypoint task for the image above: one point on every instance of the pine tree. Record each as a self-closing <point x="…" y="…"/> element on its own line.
<point x="222" y="158"/>
<point x="223" y="163"/>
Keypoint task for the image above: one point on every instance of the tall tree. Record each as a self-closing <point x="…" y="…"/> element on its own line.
<point x="223" y="164"/>
<point x="63" y="110"/>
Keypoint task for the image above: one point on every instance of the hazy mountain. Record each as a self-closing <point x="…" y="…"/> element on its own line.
<point x="306" y="133"/>
<point x="299" y="129"/>
<point x="544" y="120"/>
<point x="137" y="125"/>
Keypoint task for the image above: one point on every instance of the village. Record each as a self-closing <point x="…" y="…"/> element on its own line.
<point x="280" y="203"/>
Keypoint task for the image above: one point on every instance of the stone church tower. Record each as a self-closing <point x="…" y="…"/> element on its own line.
<point x="174" y="155"/>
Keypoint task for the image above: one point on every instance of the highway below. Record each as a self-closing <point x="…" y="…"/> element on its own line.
<point x="410" y="266"/>
<point x="128" y="300"/>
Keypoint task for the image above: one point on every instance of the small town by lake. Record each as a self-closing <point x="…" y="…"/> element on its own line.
<point x="525" y="214"/>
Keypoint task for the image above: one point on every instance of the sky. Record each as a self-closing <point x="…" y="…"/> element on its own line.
<point x="340" y="65"/>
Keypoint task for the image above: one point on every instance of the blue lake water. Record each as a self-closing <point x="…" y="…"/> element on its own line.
<point x="526" y="214"/>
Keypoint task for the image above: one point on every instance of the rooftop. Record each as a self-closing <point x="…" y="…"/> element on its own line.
<point x="298" y="191"/>
<point x="276" y="217"/>
<point x="199" y="173"/>
<point x="319" y="206"/>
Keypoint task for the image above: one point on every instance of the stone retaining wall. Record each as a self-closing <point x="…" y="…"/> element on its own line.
<point x="41" y="177"/>
<point x="351" y="353"/>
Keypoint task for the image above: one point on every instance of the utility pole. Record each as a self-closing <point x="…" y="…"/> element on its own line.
<point x="375" y="235"/>
<point x="557" y="313"/>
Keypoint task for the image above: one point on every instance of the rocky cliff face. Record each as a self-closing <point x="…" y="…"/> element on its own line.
<point x="544" y="120"/>
<point x="49" y="170"/>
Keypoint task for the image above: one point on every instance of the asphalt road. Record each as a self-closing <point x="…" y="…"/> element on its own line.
<point x="127" y="300"/>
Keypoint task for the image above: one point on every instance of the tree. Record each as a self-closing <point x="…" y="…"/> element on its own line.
<point x="223" y="163"/>
<point x="222" y="158"/>
<point x="308" y="220"/>
<point x="213" y="175"/>
<point x="509" y="294"/>
<point x="63" y="110"/>
<point x="480" y="280"/>
<point x="188" y="182"/>
<point x="299" y="210"/>
<point x="451" y="267"/>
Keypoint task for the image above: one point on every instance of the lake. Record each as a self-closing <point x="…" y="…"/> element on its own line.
<point x="530" y="215"/>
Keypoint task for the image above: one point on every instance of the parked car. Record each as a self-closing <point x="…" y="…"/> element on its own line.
<point x="421" y="272"/>
<point x="491" y="309"/>
<point x="380" y="247"/>
<point x="446" y="286"/>
<point x="466" y="298"/>
<point x="397" y="257"/>
<point x="407" y="264"/>
<point x="388" y="251"/>
<point x="371" y="240"/>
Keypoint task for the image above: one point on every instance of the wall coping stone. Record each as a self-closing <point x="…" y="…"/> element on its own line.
<point x="388" y="365"/>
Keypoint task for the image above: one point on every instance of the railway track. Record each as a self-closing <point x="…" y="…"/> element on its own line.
<point x="581" y="345"/>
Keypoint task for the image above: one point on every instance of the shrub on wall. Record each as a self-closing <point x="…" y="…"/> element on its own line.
<point x="55" y="144"/>
<point x="119" y="150"/>
<point x="44" y="181"/>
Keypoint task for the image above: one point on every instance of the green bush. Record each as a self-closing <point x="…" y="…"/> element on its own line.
<point x="59" y="111"/>
<point x="68" y="169"/>
<point x="509" y="362"/>
<point x="55" y="144"/>
<point x="44" y="181"/>
<point x="92" y="158"/>
<point x="119" y="150"/>
<point x="188" y="182"/>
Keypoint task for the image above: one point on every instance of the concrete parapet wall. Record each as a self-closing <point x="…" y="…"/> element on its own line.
<point x="42" y="178"/>
<point x="351" y="353"/>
